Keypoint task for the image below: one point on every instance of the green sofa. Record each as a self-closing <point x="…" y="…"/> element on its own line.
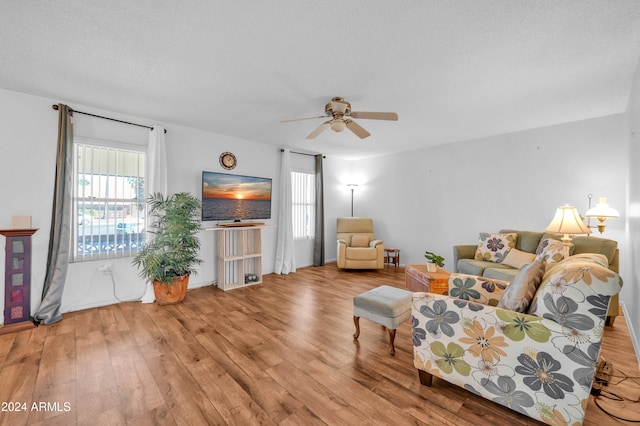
<point x="528" y="241"/>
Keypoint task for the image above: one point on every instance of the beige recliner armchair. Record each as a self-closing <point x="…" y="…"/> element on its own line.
<point x="357" y="246"/>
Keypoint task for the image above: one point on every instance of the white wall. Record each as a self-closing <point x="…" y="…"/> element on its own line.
<point x="434" y="198"/>
<point x="337" y="200"/>
<point x="27" y="169"/>
<point x="429" y="199"/>
<point x="190" y="152"/>
<point x="632" y="278"/>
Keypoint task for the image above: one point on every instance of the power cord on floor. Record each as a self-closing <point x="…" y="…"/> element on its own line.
<point x="615" y="398"/>
<point x="623" y="378"/>
<point x="602" y="378"/>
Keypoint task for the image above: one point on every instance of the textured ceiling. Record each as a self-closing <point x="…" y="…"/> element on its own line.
<point x="452" y="70"/>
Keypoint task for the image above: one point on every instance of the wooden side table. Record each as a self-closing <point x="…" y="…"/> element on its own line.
<point x="392" y="256"/>
<point x="417" y="278"/>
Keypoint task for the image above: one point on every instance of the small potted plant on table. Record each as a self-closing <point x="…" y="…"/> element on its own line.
<point x="172" y="255"/>
<point x="433" y="260"/>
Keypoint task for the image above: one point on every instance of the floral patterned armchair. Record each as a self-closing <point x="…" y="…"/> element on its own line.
<point x="540" y="362"/>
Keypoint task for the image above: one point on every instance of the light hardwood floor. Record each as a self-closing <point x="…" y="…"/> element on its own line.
<point x="277" y="353"/>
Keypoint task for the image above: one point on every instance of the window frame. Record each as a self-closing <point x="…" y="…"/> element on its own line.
<point x="303" y="230"/>
<point x="132" y="236"/>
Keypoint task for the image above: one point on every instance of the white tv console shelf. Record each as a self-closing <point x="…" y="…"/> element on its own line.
<point x="239" y="255"/>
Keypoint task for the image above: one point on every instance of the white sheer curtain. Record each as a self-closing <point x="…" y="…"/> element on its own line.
<point x="285" y="258"/>
<point x="156" y="181"/>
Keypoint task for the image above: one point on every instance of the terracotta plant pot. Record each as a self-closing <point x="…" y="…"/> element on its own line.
<point x="171" y="294"/>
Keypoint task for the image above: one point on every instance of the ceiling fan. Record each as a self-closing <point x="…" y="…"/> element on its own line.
<point x="340" y="113"/>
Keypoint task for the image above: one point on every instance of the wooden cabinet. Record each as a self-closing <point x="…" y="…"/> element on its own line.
<point x="417" y="278"/>
<point x="17" y="280"/>
<point x="239" y="256"/>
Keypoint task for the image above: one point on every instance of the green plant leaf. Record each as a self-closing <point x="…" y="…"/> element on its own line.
<point x="173" y="251"/>
<point x="434" y="258"/>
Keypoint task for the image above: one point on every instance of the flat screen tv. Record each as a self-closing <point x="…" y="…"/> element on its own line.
<point x="235" y="197"/>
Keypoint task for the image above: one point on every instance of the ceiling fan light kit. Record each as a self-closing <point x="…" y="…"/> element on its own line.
<point x="338" y="125"/>
<point x="340" y="114"/>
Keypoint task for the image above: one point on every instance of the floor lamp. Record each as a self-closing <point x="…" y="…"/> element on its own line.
<point x="353" y="187"/>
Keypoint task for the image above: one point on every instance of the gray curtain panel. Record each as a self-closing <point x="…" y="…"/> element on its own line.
<point x="318" y="247"/>
<point x="60" y="235"/>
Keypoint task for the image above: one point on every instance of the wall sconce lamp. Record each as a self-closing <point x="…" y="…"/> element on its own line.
<point x="352" y="186"/>
<point x="601" y="211"/>
<point x="567" y="221"/>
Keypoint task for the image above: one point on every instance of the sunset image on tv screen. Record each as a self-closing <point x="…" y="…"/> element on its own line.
<point x="235" y="197"/>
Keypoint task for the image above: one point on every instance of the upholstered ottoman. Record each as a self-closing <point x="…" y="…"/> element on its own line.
<point x="389" y="306"/>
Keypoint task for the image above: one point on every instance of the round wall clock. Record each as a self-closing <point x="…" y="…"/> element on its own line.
<point x="228" y="160"/>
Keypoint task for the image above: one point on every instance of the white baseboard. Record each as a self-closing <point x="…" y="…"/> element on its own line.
<point x="632" y="333"/>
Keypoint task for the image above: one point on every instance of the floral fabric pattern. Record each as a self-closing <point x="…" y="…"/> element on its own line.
<point x="572" y="284"/>
<point x="552" y="251"/>
<point x="484" y="343"/>
<point x="507" y="394"/>
<point x="440" y="318"/>
<point x="476" y="289"/>
<point x="494" y="247"/>
<point x="541" y="363"/>
<point x="542" y="372"/>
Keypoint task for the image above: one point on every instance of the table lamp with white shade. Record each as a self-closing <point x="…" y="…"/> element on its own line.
<point x="567" y="221"/>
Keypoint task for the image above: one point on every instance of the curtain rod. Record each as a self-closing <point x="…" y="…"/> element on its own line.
<point x="106" y="118"/>
<point x="303" y="153"/>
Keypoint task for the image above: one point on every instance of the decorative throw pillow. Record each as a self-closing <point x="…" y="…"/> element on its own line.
<point x="359" y="241"/>
<point x="518" y="258"/>
<point x="476" y="289"/>
<point x="551" y="250"/>
<point x="520" y="292"/>
<point x="494" y="247"/>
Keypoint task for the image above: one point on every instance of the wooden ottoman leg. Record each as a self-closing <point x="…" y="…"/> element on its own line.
<point x="356" y="321"/>
<point x="392" y="338"/>
<point x="425" y="378"/>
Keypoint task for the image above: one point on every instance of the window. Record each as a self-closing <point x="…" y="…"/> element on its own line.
<point x="303" y="186"/>
<point x="108" y="202"/>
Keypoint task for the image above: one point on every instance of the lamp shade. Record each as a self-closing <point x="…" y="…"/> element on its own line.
<point x="567" y="221"/>
<point x="602" y="209"/>
<point x="338" y="125"/>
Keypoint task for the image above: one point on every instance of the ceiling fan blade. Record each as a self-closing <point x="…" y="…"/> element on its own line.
<point x="300" y="119"/>
<point x="357" y="129"/>
<point x="392" y="116"/>
<point x="319" y="130"/>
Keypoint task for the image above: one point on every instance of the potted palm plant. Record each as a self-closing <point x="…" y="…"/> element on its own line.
<point x="433" y="260"/>
<point x="172" y="254"/>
